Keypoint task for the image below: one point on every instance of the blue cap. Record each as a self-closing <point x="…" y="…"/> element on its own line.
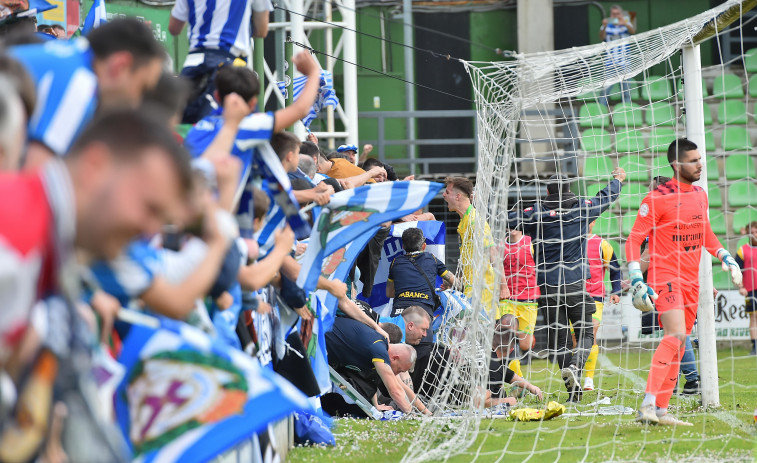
<point x="344" y="148"/>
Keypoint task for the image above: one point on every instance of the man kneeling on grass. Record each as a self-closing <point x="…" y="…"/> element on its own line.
<point x="364" y="358"/>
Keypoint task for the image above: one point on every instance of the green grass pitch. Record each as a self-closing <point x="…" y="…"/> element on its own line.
<point x="723" y="434"/>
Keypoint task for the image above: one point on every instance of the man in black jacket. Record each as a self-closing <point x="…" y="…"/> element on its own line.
<point x="558" y="226"/>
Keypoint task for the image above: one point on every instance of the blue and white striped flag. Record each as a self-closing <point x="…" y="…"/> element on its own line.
<point x="188" y="398"/>
<point x="354" y="214"/>
<point x="326" y="94"/>
<point x="95" y="18"/>
<point x="268" y="166"/>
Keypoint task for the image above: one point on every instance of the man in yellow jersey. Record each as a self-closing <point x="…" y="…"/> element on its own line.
<point x="458" y="194"/>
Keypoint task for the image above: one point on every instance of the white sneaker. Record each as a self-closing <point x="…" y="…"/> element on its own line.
<point x="647" y="415"/>
<point x="588" y="384"/>
<point x="669" y="420"/>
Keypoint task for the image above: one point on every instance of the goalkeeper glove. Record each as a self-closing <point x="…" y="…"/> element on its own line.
<point x="642" y="296"/>
<point x="729" y="265"/>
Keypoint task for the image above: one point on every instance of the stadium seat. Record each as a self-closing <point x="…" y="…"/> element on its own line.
<point x="712" y="167"/>
<point x="656" y="88"/>
<point x="717" y="222"/>
<point x="631" y="196"/>
<point x="728" y="86"/>
<point x="742" y="241"/>
<point x="720" y="279"/>
<point x="636" y="167"/>
<point x="661" y="166"/>
<point x="732" y="112"/>
<point x="750" y="60"/>
<point x="593" y="115"/>
<point x="661" y="139"/>
<point x="736" y="138"/>
<point x="607" y="225"/>
<point x="627" y="221"/>
<point x="592" y="96"/>
<point x="615" y="93"/>
<point x="742" y="218"/>
<point x="714" y="196"/>
<point x="739" y="166"/>
<point x="709" y="141"/>
<point x="661" y="114"/>
<point x="705" y="93"/>
<point x="597" y="168"/>
<point x="753" y="86"/>
<point x="592" y="189"/>
<point x="596" y="141"/>
<point x="742" y="193"/>
<point x="631" y="141"/>
<point x="627" y="115"/>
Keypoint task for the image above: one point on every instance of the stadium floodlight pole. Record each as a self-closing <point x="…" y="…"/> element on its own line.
<point x="708" y="355"/>
<point x="329" y="34"/>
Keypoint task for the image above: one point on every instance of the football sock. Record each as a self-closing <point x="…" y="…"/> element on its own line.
<point x="661" y="411"/>
<point x="591" y="362"/>
<point x="659" y="371"/>
<point x="649" y="399"/>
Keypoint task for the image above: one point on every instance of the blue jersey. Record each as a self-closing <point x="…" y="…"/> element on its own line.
<point x="130" y="274"/>
<point x="255" y="129"/>
<point x="219" y="24"/>
<point x="66" y="90"/>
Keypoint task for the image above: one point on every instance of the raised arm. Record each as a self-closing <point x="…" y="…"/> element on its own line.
<point x="285" y="117"/>
<point x="605" y="197"/>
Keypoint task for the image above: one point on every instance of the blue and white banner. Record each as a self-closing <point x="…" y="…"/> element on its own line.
<point x="189" y="398"/>
<point x="354" y="214"/>
<point x="435" y="241"/>
<point x="95" y="18"/>
<point x="326" y="95"/>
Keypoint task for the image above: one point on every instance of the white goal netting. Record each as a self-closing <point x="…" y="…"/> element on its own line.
<point x="581" y="113"/>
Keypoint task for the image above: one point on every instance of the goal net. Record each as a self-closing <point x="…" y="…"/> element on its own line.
<point x="581" y="113"/>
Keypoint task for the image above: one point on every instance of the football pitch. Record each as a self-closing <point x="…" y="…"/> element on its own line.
<point x="718" y="435"/>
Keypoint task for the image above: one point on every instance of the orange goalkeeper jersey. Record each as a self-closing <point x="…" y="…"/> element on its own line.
<point x="674" y="216"/>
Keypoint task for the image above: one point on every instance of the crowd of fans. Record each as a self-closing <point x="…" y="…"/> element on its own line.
<point x="111" y="210"/>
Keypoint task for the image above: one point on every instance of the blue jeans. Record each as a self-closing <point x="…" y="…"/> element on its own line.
<point x="202" y="76"/>
<point x="611" y="72"/>
<point x="689" y="363"/>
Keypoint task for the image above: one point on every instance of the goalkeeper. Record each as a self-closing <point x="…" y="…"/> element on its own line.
<point x="675" y="217"/>
<point x="558" y="226"/>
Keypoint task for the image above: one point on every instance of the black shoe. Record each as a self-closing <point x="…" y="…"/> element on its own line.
<point x="691" y="387"/>
<point x="572" y="378"/>
<point x="754" y="351"/>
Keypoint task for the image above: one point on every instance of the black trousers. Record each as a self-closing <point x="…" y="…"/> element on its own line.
<point x="561" y="305"/>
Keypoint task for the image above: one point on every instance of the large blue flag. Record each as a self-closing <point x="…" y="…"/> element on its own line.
<point x="326" y="94"/>
<point x="188" y="398"/>
<point x="355" y="215"/>
<point x="95" y="18"/>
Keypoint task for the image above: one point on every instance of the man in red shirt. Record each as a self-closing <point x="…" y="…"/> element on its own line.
<point x="674" y="215"/>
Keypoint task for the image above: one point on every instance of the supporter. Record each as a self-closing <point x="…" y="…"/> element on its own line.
<point x="458" y="194"/>
<point x="395" y="332"/>
<point x="307" y="167"/>
<point x="558" y="226"/>
<point x="746" y="257"/>
<point x="412" y="276"/>
<point x="349" y="152"/>
<point x="287" y="147"/>
<point x="414" y="323"/>
<point x="112" y="68"/>
<point x="218" y="32"/>
<point x="364" y="358"/>
<point x="167" y="99"/>
<point x="617" y="27"/>
<point x="124" y="176"/>
<point x="22" y="82"/>
<point x="348" y="174"/>
<point x="59" y="31"/>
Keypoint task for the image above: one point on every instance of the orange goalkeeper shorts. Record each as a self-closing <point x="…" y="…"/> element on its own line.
<point x="674" y="296"/>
